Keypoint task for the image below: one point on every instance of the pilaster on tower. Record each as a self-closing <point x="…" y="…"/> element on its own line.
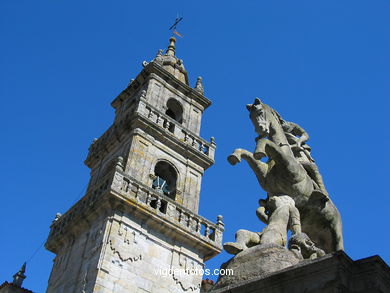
<point x="139" y="214"/>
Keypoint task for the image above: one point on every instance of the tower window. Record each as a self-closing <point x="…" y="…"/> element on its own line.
<point x="175" y="110"/>
<point x="166" y="178"/>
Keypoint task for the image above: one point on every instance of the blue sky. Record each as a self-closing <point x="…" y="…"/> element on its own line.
<point x="322" y="64"/>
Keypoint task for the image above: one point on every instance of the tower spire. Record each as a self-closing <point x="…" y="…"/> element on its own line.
<point x="171" y="47"/>
<point x="19" y="276"/>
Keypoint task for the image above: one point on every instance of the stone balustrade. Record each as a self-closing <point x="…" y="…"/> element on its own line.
<point x="177" y="130"/>
<point x="140" y="107"/>
<point x="59" y="225"/>
<point x="146" y="197"/>
<point x="168" y="209"/>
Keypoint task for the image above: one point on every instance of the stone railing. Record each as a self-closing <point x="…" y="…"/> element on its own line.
<point x="116" y="181"/>
<point x="161" y="120"/>
<point x="168" y="209"/>
<point x="177" y="130"/>
<point x="61" y="223"/>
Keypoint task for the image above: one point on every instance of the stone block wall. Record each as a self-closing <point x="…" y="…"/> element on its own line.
<point x="143" y="156"/>
<point x="135" y="258"/>
<point x="74" y="268"/>
<point x="158" y="94"/>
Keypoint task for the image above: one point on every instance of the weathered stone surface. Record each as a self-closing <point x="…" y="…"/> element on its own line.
<point x="290" y="170"/>
<point x="329" y="274"/>
<point x="280" y="215"/>
<point x="255" y="262"/>
<point x="128" y="233"/>
<point x="297" y="201"/>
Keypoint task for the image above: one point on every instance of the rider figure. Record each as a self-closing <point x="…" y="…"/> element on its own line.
<point x="297" y="137"/>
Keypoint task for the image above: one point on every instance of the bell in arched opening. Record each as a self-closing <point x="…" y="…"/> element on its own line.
<point x="165" y="181"/>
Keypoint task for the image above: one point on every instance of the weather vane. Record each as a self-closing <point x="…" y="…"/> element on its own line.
<point x="173" y="27"/>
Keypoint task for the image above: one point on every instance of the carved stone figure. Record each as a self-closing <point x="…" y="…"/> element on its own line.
<point x="297" y="137"/>
<point x="199" y="85"/>
<point x="57" y="217"/>
<point x="301" y="244"/>
<point x="280" y="215"/>
<point x="283" y="216"/>
<point x="159" y="59"/>
<point x="286" y="173"/>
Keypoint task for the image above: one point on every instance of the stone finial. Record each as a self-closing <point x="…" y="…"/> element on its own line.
<point x="220" y="221"/>
<point x="119" y="163"/>
<point x="159" y="59"/>
<point x="212" y="140"/>
<point x="199" y="85"/>
<point x="159" y="52"/>
<point x="143" y="94"/>
<point x="56" y="218"/>
<point x="171" y="47"/>
<point x="19" y="276"/>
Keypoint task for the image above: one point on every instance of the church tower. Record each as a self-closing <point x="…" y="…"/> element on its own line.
<point x="137" y="228"/>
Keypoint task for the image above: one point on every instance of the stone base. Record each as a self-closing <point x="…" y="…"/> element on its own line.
<point x="255" y="262"/>
<point x="329" y="274"/>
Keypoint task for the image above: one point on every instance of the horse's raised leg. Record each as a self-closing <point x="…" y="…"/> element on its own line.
<point x="260" y="149"/>
<point x="267" y="148"/>
<point x="293" y="169"/>
<point x="258" y="167"/>
<point x="235" y="157"/>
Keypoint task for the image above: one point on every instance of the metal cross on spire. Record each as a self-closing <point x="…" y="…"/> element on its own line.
<point x="173" y="27"/>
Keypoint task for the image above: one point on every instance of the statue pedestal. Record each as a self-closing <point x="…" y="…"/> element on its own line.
<point x="255" y="262"/>
<point x="330" y="273"/>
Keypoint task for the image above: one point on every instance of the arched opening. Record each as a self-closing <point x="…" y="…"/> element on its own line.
<point x="165" y="181"/>
<point x="175" y="110"/>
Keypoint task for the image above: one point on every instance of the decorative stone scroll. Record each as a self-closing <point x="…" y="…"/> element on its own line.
<point x="186" y="272"/>
<point x="124" y="244"/>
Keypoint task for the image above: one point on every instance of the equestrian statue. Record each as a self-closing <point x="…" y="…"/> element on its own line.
<point x="297" y="199"/>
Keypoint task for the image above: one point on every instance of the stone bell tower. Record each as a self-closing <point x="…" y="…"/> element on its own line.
<point x="137" y="228"/>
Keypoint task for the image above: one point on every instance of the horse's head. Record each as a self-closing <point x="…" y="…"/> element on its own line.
<point x="257" y="113"/>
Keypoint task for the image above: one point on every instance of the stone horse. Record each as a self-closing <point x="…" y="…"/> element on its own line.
<point x="283" y="174"/>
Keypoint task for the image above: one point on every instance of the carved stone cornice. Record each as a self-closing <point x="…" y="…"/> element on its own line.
<point x="155" y="68"/>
